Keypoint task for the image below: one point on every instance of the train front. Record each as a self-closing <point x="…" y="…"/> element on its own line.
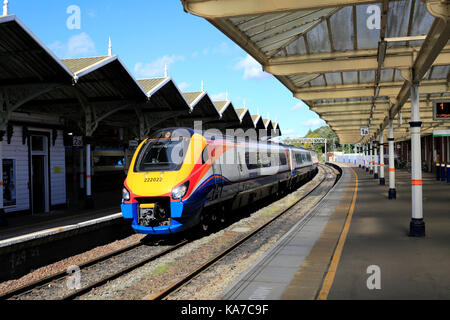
<point x="156" y="193"/>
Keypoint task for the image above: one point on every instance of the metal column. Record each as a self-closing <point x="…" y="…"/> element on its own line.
<point x="82" y="192"/>
<point x="375" y="160"/>
<point x="417" y="225"/>
<point x="371" y="158"/>
<point x="443" y="160"/>
<point x="392" y="190"/>
<point x="2" y="132"/>
<point x="89" y="199"/>
<point x="448" y="159"/>
<point x="382" y="180"/>
<point x="366" y="157"/>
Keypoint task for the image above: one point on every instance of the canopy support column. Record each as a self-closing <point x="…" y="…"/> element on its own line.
<point x="375" y="161"/>
<point x="382" y="180"/>
<point x="3" y="221"/>
<point x="82" y="193"/>
<point x="366" y="157"/>
<point x="371" y="158"/>
<point x="417" y="225"/>
<point x="392" y="190"/>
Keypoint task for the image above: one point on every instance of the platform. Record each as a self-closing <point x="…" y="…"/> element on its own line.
<point x="353" y="228"/>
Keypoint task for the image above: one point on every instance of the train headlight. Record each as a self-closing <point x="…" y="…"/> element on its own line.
<point x="179" y="192"/>
<point x="125" y="194"/>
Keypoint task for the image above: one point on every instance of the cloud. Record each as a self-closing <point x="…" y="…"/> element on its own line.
<point x="298" y="106"/>
<point x="80" y="45"/>
<point x="252" y="69"/>
<point x="314" y="123"/>
<point x="155" y="68"/>
<point x="288" y="131"/>
<point x="219" y="97"/>
<point x="183" y="86"/>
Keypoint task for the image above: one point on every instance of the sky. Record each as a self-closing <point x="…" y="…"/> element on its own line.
<point x="149" y="34"/>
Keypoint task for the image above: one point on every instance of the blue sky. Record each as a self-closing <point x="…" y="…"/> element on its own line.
<point x="148" y="34"/>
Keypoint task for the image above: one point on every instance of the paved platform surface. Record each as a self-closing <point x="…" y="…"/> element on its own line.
<point x="23" y="228"/>
<point x="353" y="230"/>
<point x="410" y="268"/>
<point x="272" y="274"/>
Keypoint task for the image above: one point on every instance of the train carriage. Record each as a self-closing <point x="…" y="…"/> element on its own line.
<point x="180" y="178"/>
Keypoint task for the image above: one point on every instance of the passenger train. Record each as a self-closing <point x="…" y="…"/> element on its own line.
<point x="180" y="178"/>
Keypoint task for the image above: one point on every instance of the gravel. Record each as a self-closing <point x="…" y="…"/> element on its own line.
<point x="153" y="277"/>
<point x="145" y="282"/>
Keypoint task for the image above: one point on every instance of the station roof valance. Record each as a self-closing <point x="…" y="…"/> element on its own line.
<point x="246" y="118"/>
<point x="228" y="115"/>
<point x="336" y="54"/>
<point x="203" y="109"/>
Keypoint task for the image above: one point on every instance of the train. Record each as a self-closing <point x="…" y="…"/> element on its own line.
<point x="180" y="178"/>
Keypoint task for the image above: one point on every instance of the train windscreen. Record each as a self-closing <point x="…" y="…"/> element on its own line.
<point x="162" y="154"/>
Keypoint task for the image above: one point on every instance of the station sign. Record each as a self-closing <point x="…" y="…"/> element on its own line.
<point x="77" y="141"/>
<point x="365" y="131"/>
<point x="133" y="143"/>
<point x="441" y="110"/>
<point x="441" y="133"/>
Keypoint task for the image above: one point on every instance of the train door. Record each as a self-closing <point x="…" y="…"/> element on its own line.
<point x="217" y="172"/>
<point x="242" y="165"/>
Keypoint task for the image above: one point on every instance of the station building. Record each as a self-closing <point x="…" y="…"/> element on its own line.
<point x="69" y="128"/>
<point x="377" y="72"/>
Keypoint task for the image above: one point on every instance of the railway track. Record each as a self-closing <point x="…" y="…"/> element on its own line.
<point x="38" y="289"/>
<point x="164" y="294"/>
<point x="32" y="290"/>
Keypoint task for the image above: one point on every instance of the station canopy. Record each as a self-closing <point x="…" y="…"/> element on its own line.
<point x="246" y="119"/>
<point x="351" y="61"/>
<point x="258" y="123"/>
<point x="229" y="118"/>
<point x="202" y="109"/>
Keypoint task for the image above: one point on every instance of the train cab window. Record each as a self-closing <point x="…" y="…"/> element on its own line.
<point x="162" y="155"/>
<point x="205" y="155"/>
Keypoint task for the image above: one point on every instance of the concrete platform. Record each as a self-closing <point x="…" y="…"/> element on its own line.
<point x="355" y="228"/>
<point x="410" y="268"/>
<point x="32" y="245"/>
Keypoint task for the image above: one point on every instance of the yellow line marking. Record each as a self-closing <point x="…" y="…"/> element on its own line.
<point x="331" y="273"/>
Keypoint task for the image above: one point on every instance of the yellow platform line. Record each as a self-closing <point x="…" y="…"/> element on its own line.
<point x="331" y="273"/>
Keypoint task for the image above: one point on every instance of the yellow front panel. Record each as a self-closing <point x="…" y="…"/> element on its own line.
<point x="153" y="184"/>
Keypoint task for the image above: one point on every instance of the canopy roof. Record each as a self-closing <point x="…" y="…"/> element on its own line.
<point x="344" y="57"/>
<point x="246" y="118"/>
<point x="93" y="91"/>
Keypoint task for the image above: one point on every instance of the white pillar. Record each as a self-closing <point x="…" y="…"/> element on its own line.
<point x="443" y="162"/>
<point x="366" y="157"/>
<point x="371" y="158"/>
<point x="392" y="190"/>
<point x="448" y="159"/>
<point x="417" y="225"/>
<point x="375" y="160"/>
<point x="382" y="180"/>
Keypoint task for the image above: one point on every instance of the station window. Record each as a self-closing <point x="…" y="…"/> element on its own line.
<point x="37" y="143"/>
